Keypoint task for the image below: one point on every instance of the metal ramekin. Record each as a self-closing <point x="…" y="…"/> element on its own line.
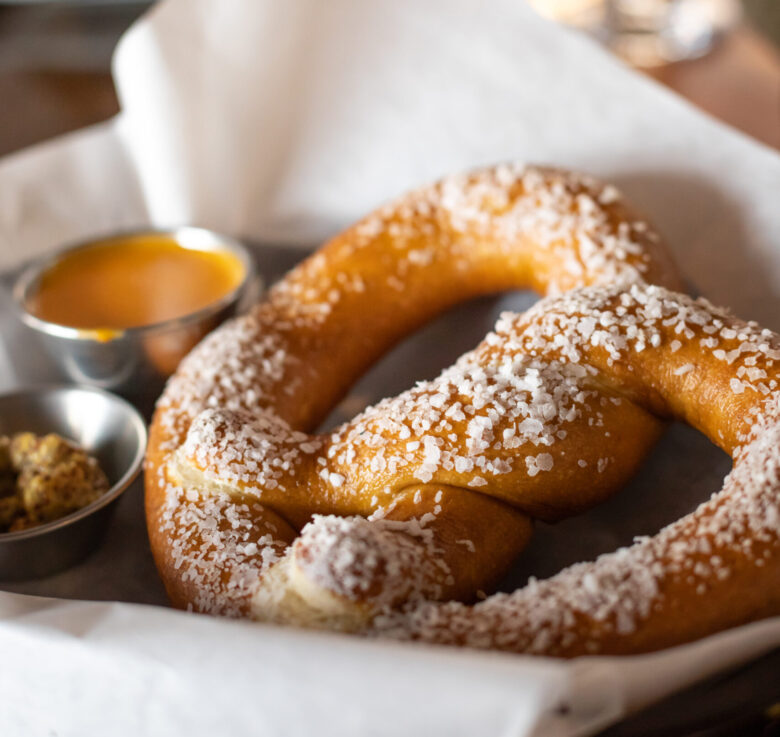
<point x="108" y="428"/>
<point x="135" y="361"/>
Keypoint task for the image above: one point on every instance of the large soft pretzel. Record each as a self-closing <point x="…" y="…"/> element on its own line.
<point x="431" y="495"/>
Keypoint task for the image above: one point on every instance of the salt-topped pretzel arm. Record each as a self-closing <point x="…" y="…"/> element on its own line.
<point x="715" y="568"/>
<point x="232" y="476"/>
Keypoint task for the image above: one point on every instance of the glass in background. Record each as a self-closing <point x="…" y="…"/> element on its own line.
<point x="648" y="33"/>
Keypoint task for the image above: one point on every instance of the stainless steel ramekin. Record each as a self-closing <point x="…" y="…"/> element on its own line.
<point x="108" y="428"/>
<point x="135" y="361"/>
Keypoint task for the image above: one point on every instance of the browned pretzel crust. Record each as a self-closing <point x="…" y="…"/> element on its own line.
<point x="431" y="495"/>
<point x="715" y="568"/>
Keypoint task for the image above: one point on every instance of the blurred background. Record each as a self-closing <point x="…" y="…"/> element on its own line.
<point x="723" y="55"/>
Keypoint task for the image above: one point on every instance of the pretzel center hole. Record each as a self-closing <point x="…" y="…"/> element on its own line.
<point x="424" y="354"/>
<point x="682" y="471"/>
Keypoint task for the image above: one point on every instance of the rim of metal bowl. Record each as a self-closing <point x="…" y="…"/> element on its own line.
<point x="116" y="490"/>
<point x="209" y="240"/>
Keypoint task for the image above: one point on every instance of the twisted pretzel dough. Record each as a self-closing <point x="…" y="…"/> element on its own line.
<point x="430" y="496"/>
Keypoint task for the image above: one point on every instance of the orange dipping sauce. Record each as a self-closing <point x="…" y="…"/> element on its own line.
<point x="133" y="281"/>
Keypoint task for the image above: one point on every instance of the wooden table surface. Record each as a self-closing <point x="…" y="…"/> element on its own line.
<point x="738" y="82"/>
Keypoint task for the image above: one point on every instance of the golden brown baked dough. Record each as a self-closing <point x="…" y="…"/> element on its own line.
<point x="431" y="495"/>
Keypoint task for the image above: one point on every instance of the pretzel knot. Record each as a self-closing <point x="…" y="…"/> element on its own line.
<point x="391" y="523"/>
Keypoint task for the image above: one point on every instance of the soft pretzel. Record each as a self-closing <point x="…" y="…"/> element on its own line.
<point x="715" y="568"/>
<point x="431" y="495"/>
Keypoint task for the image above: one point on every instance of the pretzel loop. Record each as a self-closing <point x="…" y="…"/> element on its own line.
<point x="431" y="495"/>
<point x="715" y="568"/>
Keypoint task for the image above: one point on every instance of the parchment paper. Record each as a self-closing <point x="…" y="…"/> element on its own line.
<point x="282" y="122"/>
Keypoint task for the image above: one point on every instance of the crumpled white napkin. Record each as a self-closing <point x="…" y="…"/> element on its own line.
<point x="283" y="122"/>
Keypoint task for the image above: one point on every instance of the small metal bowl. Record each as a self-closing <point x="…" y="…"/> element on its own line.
<point x="108" y="428"/>
<point x="135" y="361"/>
